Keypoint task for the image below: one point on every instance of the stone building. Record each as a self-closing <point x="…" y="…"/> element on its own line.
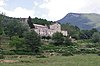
<point x="49" y="31"/>
<point x="44" y="30"/>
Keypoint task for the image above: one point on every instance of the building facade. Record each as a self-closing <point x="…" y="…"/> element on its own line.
<point x="45" y="31"/>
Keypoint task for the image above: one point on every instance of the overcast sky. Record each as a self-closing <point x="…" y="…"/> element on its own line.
<point x="48" y="9"/>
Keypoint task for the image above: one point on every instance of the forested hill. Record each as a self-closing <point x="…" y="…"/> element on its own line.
<point x="35" y="20"/>
<point x="82" y="20"/>
<point x="41" y="21"/>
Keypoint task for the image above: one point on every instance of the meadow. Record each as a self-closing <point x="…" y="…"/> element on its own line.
<point x="76" y="60"/>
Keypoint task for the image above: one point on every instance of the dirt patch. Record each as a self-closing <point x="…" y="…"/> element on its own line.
<point x="8" y="61"/>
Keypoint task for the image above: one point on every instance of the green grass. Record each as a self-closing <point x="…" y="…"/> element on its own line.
<point x="77" y="60"/>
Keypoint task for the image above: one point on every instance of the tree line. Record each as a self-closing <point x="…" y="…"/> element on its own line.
<point x="79" y="34"/>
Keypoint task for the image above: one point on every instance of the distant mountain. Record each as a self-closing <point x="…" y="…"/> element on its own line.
<point x="84" y="21"/>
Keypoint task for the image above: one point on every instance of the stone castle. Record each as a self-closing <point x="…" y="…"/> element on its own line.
<point x="44" y="30"/>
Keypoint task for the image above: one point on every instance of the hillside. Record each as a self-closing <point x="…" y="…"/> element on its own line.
<point x="82" y="20"/>
<point x="41" y="21"/>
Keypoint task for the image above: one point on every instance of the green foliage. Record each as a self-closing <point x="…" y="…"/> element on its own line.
<point x="33" y="40"/>
<point x="41" y="56"/>
<point x="88" y="50"/>
<point x="41" y="21"/>
<point x="46" y="37"/>
<point x="8" y="52"/>
<point x="96" y="37"/>
<point x="1" y="28"/>
<point x="72" y="30"/>
<point x="67" y="53"/>
<point x="17" y="52"/>
<point x="13" y="27"/>
<point x="22" y="52"/>
<point x="1" y="54"/>
<point x="87" y="34"/>
<point x="58" y="38"/>
<point x="16" y="42"/>
<point x="67" y="41"/>
<point x="98" y="53"/>
<point x="1" y="31"/>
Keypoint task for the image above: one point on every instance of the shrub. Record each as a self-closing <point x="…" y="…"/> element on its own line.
<point x="41" y="56"/>
<point x="1" y="56"/>
<point x="23" y="52"/>
<point x="67" y="53"/>
<point x="88" y="50"/>
<point x="8" y="52"/>
<point x="98" y="52"/>
<point x="25" y="61"/>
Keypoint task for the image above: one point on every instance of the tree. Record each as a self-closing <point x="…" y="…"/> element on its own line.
<point x="96" y="37"/>
<point x="94" y="30"/>
<point x="57" y="38"/>
<point x="14" y="28"/>
<point x="1" y="28"/>
<point x="1" y="31"/>
<point x="67" y="41"/>
<point x="32" y="39"/>
<point x="16" y="42"/>
<point x="85" y="34"/>
<point x="30" y="22"/>
<point x="41" y="21"/>
<point x="73" y="31"/>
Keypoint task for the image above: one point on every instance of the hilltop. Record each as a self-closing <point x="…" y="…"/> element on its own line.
<point x="84" y="21"/>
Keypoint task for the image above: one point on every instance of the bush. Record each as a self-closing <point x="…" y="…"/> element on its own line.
<point x="25" y="61"/>
<point x="8" y="52"/>
<point x="41" y="56"/>
<point x="98" y="53"/>
<point x="68" y="53"/>
<point x="23" y="52"/>
<point x="18" y="52"/>
<point x="90" y="45"/>
<point x="1" y="56"/>
<point x="88" y="50"/>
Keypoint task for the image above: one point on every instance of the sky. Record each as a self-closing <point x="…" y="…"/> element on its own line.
<point x="48" y="9"/>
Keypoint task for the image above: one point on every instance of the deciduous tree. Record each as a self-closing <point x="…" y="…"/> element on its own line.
<point x="32" y="39"/>
<point x="57" y="38"/>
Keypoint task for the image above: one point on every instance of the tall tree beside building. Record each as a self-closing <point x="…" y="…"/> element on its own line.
<point x="30" y="22"/>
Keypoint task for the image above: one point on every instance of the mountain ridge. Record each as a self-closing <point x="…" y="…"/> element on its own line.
<point x="84" y="21"/>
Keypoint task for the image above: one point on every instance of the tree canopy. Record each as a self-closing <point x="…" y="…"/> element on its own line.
<point x="13" y="27"/>
<point x="57" y="38"/>
<point x="33" y="40"/>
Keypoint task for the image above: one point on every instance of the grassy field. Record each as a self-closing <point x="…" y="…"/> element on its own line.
<point x="77" y="60"/>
